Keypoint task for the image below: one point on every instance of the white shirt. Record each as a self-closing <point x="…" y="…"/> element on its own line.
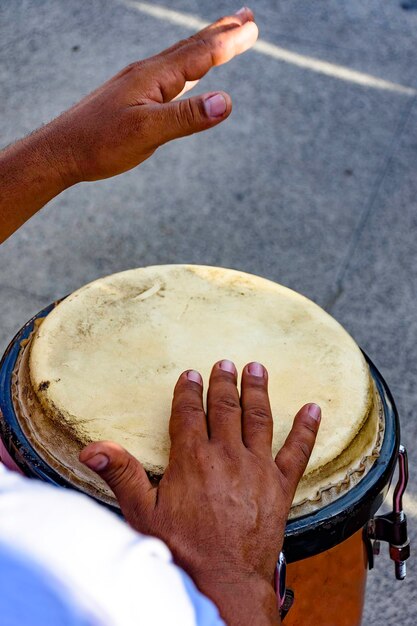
<point x="106" y="572"/>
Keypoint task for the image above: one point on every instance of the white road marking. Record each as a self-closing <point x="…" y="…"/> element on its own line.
<point x="340" y="72"/>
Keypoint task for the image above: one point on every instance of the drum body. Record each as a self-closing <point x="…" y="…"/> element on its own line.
<point x="329" y="588"/>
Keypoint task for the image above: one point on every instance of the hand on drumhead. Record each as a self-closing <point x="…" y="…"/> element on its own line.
<point x="223" y="501"/>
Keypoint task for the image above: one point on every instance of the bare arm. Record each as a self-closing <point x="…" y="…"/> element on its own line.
<point x="121" y="123"/>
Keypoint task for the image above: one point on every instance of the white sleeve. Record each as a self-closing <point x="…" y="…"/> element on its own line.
<point x="108" y="570"/>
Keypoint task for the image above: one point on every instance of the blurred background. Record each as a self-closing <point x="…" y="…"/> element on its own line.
<point x="312" y="181"/>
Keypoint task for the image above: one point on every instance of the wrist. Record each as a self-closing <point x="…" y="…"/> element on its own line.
<point x="245" y="603"/>
<point x="59" y="149"/>
<point x="44" y="157"/>
<point x="34" y="170"/>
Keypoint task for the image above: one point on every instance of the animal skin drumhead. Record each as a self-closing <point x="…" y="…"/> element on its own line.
<point x="104" y="362"/>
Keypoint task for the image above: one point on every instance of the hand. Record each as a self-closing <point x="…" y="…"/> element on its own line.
<point x="121" y="123"/>
<point x="223" y="501"/>
<point x="125" y="120"/>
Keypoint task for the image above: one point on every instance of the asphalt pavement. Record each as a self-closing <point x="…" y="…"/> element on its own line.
<point x="312" y="182"/>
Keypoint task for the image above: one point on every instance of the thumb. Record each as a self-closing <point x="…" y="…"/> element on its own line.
<point x="180" y="118"/>
<point x="126" y="478"/>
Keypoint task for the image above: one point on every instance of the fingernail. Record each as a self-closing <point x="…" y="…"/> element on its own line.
<point x="195" y="377"/>
<point x="241" y="11"/>
<point x="215" y="105"/>
<point x="97" y="462"/>
<point x="228" y="366"/>
<point x="314" y="411"/>
<point x="256" y="369"/>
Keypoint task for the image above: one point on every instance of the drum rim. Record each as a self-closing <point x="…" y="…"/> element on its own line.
<point x="304" y="536"/>
<point x="12" y="435"/>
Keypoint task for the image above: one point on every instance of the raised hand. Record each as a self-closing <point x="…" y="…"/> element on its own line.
<point x="123" y="122"/>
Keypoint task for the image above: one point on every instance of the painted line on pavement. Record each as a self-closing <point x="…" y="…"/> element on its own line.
<point x="273" y="51"/>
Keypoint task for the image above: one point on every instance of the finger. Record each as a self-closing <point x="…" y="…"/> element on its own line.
<point x="125" y="476"/>
<point x="216" y="46"/>
<point x="223" y="406"/>
<point x="188" y="420"/>
<point x="257" y="423"/>
<point x="238" y="19"/>
<point x="185" y="117"/>
<point x="294" y="455"/>
<point x="198" y="55"/>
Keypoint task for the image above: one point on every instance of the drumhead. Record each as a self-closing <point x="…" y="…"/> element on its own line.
<point x="305" y="536"/>
<point x="103" y="364"/>
<point x="103" y="327"/>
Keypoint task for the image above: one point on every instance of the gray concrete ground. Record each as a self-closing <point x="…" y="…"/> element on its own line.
<point x="311" y="182"/>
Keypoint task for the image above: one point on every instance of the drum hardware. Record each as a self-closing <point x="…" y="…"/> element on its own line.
<point x="285" y="596"/>
<point x="392" y="527"/>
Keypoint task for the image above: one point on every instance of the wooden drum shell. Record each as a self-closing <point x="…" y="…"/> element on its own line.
<point x="329" y="587"/>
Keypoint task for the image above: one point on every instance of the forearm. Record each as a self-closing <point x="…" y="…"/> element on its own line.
<point x="245" y="604"/>
<point x="32" y="172"/>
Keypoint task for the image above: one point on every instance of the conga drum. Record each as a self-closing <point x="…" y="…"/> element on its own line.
<point x="102" y="364"/>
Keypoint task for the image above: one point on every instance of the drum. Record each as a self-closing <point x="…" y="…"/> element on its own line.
<point x="102" y="363"/>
